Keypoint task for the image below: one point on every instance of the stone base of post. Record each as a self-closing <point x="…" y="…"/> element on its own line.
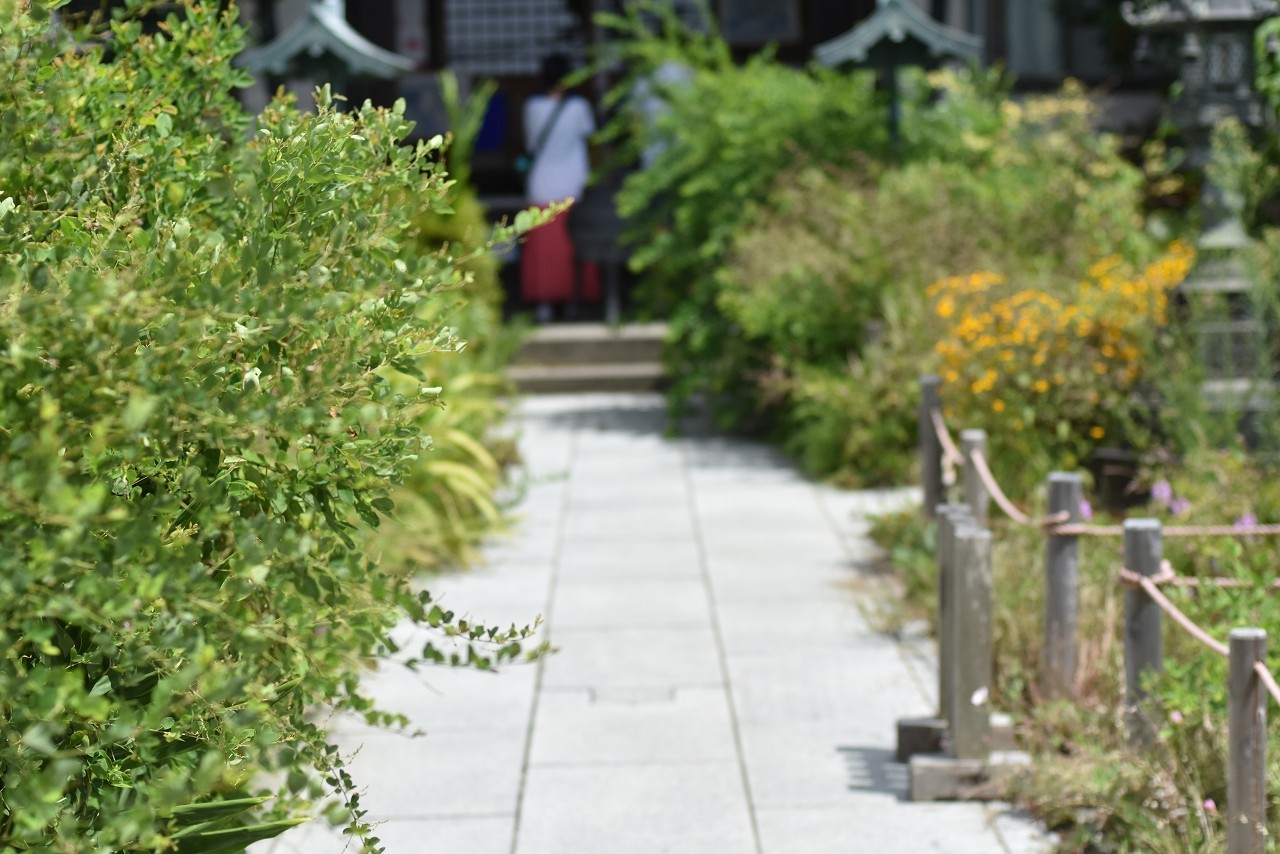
<point x="945" y="778"/>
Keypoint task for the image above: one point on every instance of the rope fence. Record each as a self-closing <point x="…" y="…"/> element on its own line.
<point x="1268" y="680"/>
<point x="1251" y="685"/>
<point x="1057" y="523"/>
<point x="994" y="490"/>
<point x="949" y="449"/>
<point x="1152" y="589"/>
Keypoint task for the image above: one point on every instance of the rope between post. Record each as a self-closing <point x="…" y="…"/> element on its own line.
<point x="1268" y="680"/>
<point x="1149" y="587"/>
<point x="994" y="490"/>
<point x="949" y="449"/>
<point x="1079" y="530"/>
<point x="1221" y="530"/>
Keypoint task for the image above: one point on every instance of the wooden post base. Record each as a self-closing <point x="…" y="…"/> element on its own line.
<point x="928" y="735"/>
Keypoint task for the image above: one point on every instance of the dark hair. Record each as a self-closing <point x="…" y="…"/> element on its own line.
<point x="555" y="67"/>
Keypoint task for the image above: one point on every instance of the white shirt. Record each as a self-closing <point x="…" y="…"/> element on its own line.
<point x="561" y="169"/>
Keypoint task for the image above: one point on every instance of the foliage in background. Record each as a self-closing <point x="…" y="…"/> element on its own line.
<point x="791" y="248"/>
<point x="728" y="133"/>
<point x="1087" y="782"/>
<point x="446" y="505"/>
<point x="821" y="294"/>
<point x="216" y="357"/>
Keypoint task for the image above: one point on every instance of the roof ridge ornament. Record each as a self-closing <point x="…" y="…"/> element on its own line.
<point x="897" y="21"/>
<point x="324" y="29"/>
<point x="898" y="33"/>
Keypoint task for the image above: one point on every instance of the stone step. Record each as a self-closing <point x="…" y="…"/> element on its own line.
<point x="593" y="344"/>
<point x="607" y="377"/>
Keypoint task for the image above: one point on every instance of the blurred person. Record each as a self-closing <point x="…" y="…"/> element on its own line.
<point x="557" y="125"/>
<point x="651" y="98"/>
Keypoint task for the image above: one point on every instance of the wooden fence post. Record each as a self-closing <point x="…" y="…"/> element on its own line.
<point x="1061" y="592"/>
<point x="970" y="722"/>
<point x="1247" y="762"/>
<point x="1142" y="646"/>
<point x="950" y="517"/>
<point x="930" y="445"/>
<point x="975" y="491"/>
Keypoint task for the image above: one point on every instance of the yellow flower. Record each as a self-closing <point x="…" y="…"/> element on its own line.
<point x="997" y="406"/>
<point x="946" y="307"/>
<point x="1097" y="432"/>
<point x="1041" y="386"/>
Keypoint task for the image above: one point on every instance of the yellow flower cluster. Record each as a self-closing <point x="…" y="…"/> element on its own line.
<point x="1003" y="345"/>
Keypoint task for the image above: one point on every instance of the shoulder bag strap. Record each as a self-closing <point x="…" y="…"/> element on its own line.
<point x="546" y="129"/>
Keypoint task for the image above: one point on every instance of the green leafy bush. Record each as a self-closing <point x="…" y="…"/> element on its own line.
<point x="205" y="341"/>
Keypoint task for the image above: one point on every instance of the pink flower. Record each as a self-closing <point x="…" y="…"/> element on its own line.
<point x="1086" y="511"/>
<point x="1178" y="506"/>
<point x="1209" y="805"/>
<point x="1162" y="492"/>
<point x="1248" y="520"/>
<point x="1176" y="717"/>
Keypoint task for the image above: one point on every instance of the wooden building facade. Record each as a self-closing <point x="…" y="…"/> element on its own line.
<point x="1040" y="41"/>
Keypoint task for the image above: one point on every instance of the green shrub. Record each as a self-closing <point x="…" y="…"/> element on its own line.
<point x="203" y="345"/>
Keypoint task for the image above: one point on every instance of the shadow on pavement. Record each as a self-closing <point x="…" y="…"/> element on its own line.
<point x="873" y="769"/>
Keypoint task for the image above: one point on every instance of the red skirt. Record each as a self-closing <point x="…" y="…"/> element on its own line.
<point x="549" y="272"/>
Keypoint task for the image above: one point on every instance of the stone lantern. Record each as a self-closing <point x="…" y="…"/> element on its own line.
<point x="1213" y="43"/>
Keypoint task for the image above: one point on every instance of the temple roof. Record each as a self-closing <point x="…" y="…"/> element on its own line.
<point x="324" y="29"/>
<point x="1170" y="13"/>
<point x="899" y="24"/>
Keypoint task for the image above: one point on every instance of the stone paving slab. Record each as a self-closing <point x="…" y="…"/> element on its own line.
<point x="596" y="561"/>
<point x="760" y="625"/>
<point x="458" y="773"/>
<point x="439" y="699"/>
<point x="665" y="657"/>
<point x="719" y="687"/>
<point x="661" y="726"/>
<point x="880" y="824"/>
<point x="679" y="808"/>
<point x="615" y="525"/>
<point x="630" y="603"/>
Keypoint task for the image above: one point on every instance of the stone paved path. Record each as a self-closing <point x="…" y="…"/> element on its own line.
<point x="717" y="690"/>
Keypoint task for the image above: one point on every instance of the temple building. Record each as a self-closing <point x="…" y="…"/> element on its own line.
<point x="392" y="49"/>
